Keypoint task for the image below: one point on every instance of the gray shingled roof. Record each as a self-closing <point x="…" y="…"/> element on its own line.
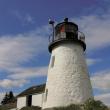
<point x="32" y="90"/>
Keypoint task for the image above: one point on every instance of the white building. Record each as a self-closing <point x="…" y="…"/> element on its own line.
<point x="68" y="80"/>
<point x="32" y="96"/>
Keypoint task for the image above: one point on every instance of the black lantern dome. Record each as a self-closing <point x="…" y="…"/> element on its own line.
<point x="65" y="32"/>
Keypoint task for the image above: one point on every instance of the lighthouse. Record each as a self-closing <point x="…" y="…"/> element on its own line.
<point x="68" y="80"/>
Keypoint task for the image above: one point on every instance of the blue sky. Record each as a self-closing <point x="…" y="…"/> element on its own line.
<point x="24" y="32"/>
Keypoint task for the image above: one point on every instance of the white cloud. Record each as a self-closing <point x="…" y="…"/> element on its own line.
<point x="105" y="98"/>
<point x="8" y="83"/>
<point x="96" y="30"/>
<point x="24" y="18"/>
<point x="20" y="48"/>
<point x="101" y="80"/>
<point x="29" y="18"/>
<point x="91" y="61"/>
<point x="26" y="73"/>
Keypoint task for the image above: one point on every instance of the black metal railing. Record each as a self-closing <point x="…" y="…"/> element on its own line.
<point x="81" y="37"/>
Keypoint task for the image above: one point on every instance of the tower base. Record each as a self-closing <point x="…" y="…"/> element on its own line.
<point x="69" y="107"/>
<point x="68" y="80"/>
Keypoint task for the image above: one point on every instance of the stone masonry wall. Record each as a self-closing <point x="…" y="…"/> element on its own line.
<point x="68" y="80"/>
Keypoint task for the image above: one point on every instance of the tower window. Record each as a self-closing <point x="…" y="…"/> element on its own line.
<point x="45" y="95"/>
<point x="52" y="61"/>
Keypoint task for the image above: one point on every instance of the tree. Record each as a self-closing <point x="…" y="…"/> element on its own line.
<point x="9" y="97"/>
<point x="91" y="104"/>
<point x="5" y="99"/>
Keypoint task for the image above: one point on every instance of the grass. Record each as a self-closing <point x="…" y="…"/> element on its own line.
<point x="8" y="106"/>
<point x="31" y="108"/>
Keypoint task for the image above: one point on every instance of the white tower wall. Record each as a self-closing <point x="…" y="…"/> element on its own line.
<point x="68" y="79"/>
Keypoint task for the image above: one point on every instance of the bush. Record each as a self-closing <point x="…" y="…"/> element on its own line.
<point x="31" y="108"/>
<point x="91" y="104"/>
<point x="8" y="98"/>
<point x="3" y="108"/>
<point x="70" y="107"/>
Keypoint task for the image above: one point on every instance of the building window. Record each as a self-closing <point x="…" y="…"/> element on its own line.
<point x="29" y="100"/>
<point x="52" y="61"/>
<point x="45" y="95"/>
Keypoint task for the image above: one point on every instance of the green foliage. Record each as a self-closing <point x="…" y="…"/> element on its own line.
<point x="8" y="106"/>
<point x="70" y="107"/>
<point x="91" y="104"/>
<point x="3" y="108"/>
<point x="4" y="101"/>
<point x="31" y="108"/>
<point x="9" y="97"/>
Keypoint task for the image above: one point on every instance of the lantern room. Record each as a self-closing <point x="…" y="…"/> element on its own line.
<point x="66" y="32"/>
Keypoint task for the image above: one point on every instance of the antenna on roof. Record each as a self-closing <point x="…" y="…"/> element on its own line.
<point x="51" y="22"/>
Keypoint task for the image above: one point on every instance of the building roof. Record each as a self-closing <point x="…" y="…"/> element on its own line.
<point x="33" y="90"/>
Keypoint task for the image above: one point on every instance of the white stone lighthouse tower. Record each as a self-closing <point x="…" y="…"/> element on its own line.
<point x="68" y="80"/>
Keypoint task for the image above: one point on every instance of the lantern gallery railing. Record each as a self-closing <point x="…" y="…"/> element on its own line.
<point x="62" y="35"/>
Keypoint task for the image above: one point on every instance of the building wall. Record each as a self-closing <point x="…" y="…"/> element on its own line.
<point x="21" y="102"/>
<point x="37" y="100"/>
<point x="68" y="79"/>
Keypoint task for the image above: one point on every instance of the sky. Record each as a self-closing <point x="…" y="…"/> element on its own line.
<point x="24" y="33"/>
